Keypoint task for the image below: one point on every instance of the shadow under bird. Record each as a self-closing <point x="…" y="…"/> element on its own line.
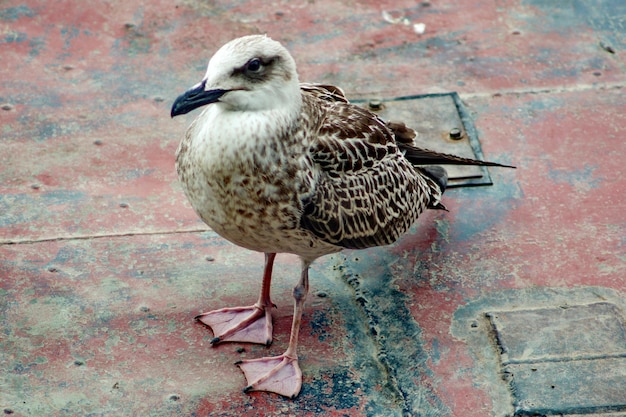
<point x="276" y="166"/>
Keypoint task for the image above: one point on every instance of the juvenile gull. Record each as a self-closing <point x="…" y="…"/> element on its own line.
<point x="275" y="166"/>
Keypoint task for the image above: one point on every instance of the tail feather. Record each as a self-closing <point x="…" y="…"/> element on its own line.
<point x="419" y="156"/>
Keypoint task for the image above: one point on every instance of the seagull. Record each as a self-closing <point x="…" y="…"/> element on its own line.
<point x="276" y="166"/>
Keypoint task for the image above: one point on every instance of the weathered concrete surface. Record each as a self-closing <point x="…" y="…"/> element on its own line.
<point x="103" y="263"/>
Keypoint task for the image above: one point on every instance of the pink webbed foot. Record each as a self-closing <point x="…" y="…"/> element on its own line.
<point x="252" y="324"/>
<point x="279" y="374"/>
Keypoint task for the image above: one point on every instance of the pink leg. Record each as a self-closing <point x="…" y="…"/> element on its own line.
<point x="251" y="324"/>
<point x="281" y="374"/>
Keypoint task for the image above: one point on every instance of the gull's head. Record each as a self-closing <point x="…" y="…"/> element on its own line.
<point x="252" y="73"/>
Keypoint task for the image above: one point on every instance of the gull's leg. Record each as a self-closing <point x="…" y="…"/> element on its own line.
<point x="281" y="374"/>
<point x="251" y="324"/>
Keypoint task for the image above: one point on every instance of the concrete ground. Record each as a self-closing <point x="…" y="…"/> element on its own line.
<point x="511" y="303"/>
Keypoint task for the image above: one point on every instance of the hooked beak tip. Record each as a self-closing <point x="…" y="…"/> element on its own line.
<point x="195" y="97"/>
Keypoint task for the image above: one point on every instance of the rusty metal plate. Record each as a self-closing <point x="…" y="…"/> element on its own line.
<point x="444" y="125"/>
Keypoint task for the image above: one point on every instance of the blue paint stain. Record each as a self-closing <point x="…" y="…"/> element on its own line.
<point x="36" y="44"/>
<point x="57" y="197"/>
<point x="482" y="208"/>
<point x="399" y="336"/>
<point x="47" y="130"/>
<point x="555" y="16"/>
<point x="320" y="324"/>
<point x="580" y="177"/>
<point x="68" y="254"/>
<point x="334" y="389"/>
<point x="578" y="16"/>
<point x="41" y="130"/>
<point x="14" y="37"/>
<point x="12" y="14"/>
<point x="24" y="208"/>
<point x="435" y="354"/>
<point x="134" y="174"/>
<point x="545" y="104"/>
<point x="69" y="34"/>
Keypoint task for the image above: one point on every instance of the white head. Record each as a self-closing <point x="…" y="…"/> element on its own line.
<point x="252" y="73"/>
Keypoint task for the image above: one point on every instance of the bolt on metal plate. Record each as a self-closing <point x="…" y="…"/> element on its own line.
<point x="444" y="125"/>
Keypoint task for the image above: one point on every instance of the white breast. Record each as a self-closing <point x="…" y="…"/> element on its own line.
<point x="244" y="181"/>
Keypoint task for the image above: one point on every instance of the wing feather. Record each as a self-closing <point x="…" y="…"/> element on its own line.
<point x="365" y="192"/>
<point x="371" y="182"/>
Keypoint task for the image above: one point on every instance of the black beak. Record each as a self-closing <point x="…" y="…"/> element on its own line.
<point x="194" y="98"/>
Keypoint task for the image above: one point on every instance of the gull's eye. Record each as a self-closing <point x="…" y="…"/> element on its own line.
<point x="254" y="65"/>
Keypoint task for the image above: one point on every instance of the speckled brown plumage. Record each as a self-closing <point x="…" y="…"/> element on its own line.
<point x="367" y="193"/>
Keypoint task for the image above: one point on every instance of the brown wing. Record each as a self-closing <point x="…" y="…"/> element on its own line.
<point x="366" y="193"/>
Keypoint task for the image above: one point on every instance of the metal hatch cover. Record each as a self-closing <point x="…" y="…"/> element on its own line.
<point x="566" y="359"/>
<point x="444" y="125"/>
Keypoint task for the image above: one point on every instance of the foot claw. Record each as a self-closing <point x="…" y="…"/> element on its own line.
<point x="215" y="340"/>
